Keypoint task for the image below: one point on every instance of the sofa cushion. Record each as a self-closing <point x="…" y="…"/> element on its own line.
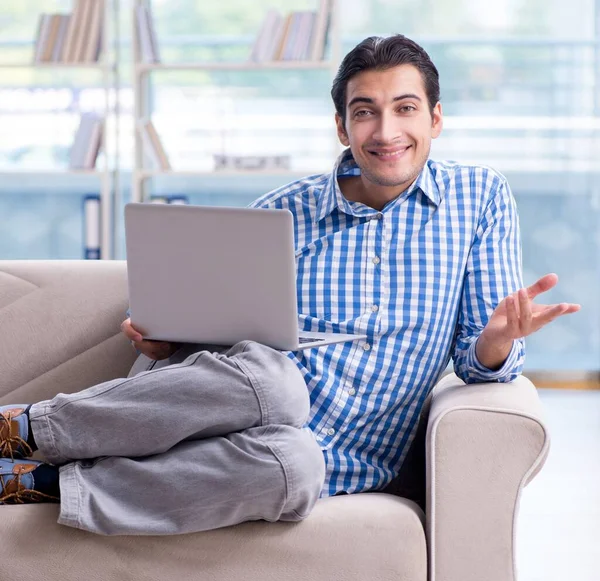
<point x="351" y="538"/>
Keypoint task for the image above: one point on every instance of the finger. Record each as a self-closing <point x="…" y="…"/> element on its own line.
<point x="512" y="318"/>
<point x="551" y="313"/>
<point x="525" y="314"/>
<point x="542" y="285"/>
<point x="130" y="332"/>
<point x="516" y="303"/>
<point x="135" y="331"/>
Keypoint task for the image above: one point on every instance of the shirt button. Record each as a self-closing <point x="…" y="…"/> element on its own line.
<point x="366" y="346"/>
<point x="330" y="432"/>
<point x="374" y="308"/>
<point x="376" y="260"/>
<point x="351" y="391"/>
<point x="380" y="216"/>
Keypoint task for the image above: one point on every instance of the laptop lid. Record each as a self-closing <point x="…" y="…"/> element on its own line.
<point x="215" y="275"/>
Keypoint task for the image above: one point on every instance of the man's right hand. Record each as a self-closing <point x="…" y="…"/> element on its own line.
<point x="156" y="350"/>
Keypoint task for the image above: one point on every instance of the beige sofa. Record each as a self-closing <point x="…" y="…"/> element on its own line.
<point x="59" y="331"/>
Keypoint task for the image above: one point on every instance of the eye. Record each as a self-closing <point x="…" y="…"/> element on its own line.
<point x="362" y="113"/>
<point x="408" y="108"/>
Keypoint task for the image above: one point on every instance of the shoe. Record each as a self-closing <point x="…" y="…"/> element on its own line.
<point x="14" y="431"/>
<point x="17" y="483"/>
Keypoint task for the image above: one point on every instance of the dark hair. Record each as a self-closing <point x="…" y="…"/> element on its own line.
<point x="381" y="53"/>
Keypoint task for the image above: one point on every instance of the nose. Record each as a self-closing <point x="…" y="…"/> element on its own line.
<point x="386" y="130"/>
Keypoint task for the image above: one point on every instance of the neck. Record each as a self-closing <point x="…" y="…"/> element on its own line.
<point x="355" y="189"/>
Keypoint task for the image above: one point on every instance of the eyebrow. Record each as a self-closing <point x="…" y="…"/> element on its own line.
<point x="370" y="101"/>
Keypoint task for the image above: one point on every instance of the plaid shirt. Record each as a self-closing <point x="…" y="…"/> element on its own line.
<point x="420" y="278"/>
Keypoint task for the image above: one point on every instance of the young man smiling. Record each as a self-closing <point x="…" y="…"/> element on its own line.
<point x="420" y="256"/>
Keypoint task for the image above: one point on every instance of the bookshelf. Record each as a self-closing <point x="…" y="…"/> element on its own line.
<point x="101" y="25"/>
<point x="145" y="65"/>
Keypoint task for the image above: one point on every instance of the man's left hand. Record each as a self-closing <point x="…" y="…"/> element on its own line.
<point x="518" y="316"/>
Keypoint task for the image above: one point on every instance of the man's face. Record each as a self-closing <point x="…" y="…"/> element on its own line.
<point x="389" y="126"/>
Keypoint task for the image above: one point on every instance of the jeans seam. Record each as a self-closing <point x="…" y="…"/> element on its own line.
<point x="109" y="389"/>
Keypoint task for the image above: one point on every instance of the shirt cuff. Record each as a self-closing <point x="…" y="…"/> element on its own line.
<point x="475" y="366"/>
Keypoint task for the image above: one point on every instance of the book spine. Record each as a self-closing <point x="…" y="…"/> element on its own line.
<point x="52" y="36"/>
<point x="143" y="34"/>
<point x="158" y="146"/>
<point x="95" y="32"/>
<point x="60" y="39"/>
<point x="152" y="35"/>
<point x="147" y="145"/>
<point x="84" y="30"/>
<point x="45" y="24"/>
<point x="72" y="33"/>
<point x="91" y="227"/>
<point x="93" y="145"/>
<point x="38" y="50"/>
<point x="320" y="31"/>
<point x="278" y="54"/>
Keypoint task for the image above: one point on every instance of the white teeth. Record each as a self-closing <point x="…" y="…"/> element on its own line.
<point x="389" y="154"/>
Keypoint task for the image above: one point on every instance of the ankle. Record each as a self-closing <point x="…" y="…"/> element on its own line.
<point x="46" y="480"/>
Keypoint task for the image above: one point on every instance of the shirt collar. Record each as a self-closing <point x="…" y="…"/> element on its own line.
<point x="331" y="196"/>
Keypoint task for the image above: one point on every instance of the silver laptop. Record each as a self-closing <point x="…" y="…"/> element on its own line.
<point x="214" y="275"/>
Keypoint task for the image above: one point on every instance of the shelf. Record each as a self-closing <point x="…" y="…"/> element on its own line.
<point x="150" y="173"/>
<point x="93" y="66"/>
<point x="51" y="173"/>
<point x="142" y="68"/>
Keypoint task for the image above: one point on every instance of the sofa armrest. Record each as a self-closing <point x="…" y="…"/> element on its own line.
<point x="60" y="326"/>
<point x="484" y="443"/>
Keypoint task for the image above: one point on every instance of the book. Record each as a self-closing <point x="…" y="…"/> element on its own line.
<point x="147" y="43"/>
<point x="282" y="38"/>
<point x="293" y="30"/>
<point x="302" y="45"/>
<point x="87" y="141"/>
<point x="92" y="221"/>
<point x="158" y="146"/>
<point x="68" y="52"/>
<point x="94" y="144"/>
<point x="94" y="40"/>
<point x="82" y="30"/>
<point x="320" y="30"/>
<point x="153" y="36"/>
<point x="43" y="31"/>
<point x="50" y="40"/>
<point x="152" y="146"/>
<point x="60" y="38"/>
<point x="262" y="48"/>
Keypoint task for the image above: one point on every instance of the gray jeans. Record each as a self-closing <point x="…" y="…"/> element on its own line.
<point x="206" y="439"/>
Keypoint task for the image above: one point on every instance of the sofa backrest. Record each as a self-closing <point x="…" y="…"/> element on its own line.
<point x="60" y="327"/>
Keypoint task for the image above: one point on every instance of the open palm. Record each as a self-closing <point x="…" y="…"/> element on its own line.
<point x="518" y="316"/>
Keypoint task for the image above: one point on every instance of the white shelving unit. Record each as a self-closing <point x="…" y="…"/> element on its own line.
<point x="142" y="71"/>
<point x="107" y="176"/>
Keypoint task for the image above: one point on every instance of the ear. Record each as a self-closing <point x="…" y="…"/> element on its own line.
<point x="341" y="131"/>
<point x="438" y="121"/>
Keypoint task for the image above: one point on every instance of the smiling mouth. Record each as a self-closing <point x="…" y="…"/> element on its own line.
<point x="388" y="155"/>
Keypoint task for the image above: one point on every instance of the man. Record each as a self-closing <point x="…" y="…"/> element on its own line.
<point x="422" y="257"/>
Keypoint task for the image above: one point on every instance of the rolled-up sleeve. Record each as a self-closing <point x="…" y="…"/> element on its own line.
<point x="493" y="272"/>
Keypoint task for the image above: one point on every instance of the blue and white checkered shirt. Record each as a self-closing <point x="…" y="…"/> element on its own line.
<point x="420" y="278"/>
